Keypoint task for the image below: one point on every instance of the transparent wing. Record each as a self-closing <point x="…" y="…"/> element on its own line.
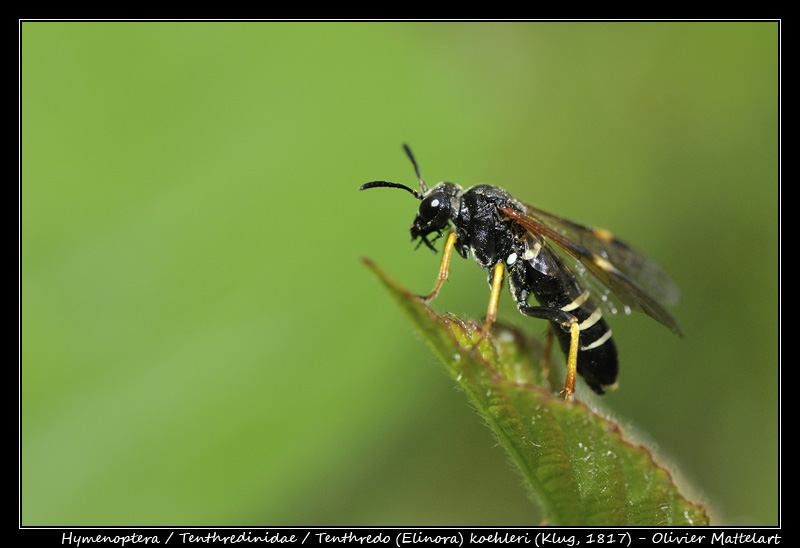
<point x="635" y="281"/>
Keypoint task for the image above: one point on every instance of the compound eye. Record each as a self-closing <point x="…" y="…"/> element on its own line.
<point x="433" y="208"/>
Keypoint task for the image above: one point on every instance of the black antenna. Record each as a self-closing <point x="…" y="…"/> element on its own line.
<point x="376" y="184"/>
<point x="422" y="184"/>
<point x="417" y="194"/>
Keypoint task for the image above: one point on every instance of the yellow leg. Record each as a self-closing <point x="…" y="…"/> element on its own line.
<point x="444" y="268"/>
<point x="572" y="359"/>
<point x="494" y="297"/>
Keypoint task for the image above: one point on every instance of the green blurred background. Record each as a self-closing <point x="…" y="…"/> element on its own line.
<point x="200" y="344"/>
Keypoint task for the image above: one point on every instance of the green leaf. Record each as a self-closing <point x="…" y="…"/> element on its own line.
<point x="578" y="465"/>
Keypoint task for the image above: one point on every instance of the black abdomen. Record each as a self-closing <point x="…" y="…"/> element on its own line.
<point x="597" y="352"/>
<point x="541" y="274"/>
